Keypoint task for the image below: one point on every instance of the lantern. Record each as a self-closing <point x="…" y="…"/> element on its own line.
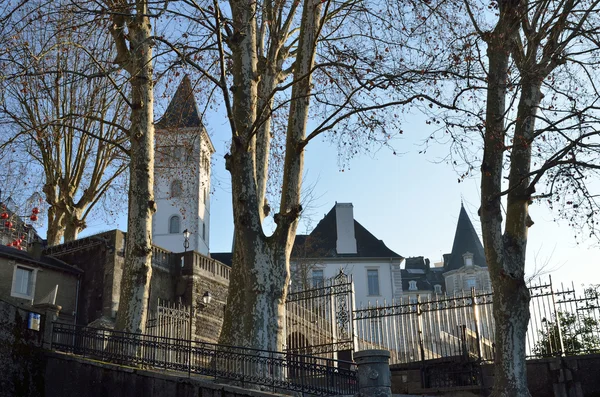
<point x="4" y="215"/>
<point x="8" y="224"/>
<point x="35" y="210"/>
<point x="33" y="217"/>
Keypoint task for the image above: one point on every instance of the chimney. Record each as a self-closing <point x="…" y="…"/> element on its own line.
<point x="344" y="219"/>
<point x="35" y="249"/>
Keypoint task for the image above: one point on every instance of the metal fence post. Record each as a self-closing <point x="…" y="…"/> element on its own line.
<point x="557" y="316"/>
<point x="420" y="328"/>
<point x="476" y="321"/>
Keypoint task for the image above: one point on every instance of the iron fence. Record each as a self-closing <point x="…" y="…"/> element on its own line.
<point x="562" y="322"/>
<point x="274" y="370"/>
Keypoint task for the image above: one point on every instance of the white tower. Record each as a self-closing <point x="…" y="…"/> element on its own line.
<point x="182" y="175"/>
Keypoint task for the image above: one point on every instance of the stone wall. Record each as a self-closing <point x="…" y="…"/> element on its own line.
<point x="21" y="361"/>
<point x="69" y="376"/>
<point x="201" y="274"/>
<point x="574" y="376"/>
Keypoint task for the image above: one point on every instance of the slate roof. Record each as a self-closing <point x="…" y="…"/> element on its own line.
<point x="44" y="261"/>
<point x="465" y="240"/>
<point x="418" y="269"/>
<point x="225" y="258"/>
<point x="321" y="242"/>
<point x="182" y="111"/>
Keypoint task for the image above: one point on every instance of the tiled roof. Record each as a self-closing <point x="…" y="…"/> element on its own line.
<point x="465" y="240"/>
<point x="321" y="242"/>
<point x="182" y="112"/>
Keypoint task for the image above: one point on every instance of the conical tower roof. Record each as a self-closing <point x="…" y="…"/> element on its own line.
<point x="465" y="240"/>
<point x="182" y="112"/>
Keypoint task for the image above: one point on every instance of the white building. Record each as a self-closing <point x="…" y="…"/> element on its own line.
<point x="182" y="175"/>
<point x="340" y="242"/>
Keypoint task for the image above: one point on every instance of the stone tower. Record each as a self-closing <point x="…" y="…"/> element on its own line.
<point x="182" y="175"/>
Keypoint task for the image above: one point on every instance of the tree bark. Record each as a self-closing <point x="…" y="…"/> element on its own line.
<point x="135" y="284"/>
<point x="55" y="226"/>
<point x="255" y="311"/>
<point x="503" y="252"/>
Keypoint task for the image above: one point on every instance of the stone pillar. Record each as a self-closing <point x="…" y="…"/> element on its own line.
<point x="50" y="312"/>
<point x="374" y="377"/>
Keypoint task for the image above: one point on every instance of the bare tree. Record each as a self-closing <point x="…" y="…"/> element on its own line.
<point x="64" y="128"/>
<point x="275" y="65"/>
<point x="522" y="81"/>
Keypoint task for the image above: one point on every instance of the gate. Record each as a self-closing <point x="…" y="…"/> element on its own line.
<point x="319" y="320"/>
<point x="170" y="320"/>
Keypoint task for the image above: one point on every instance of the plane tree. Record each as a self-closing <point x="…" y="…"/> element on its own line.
<point x="66" y="131"/>
<point x="521" y="103"/>
<point x="286" y="73"/>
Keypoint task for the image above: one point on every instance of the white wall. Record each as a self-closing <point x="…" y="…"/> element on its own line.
<point x="193" y="206"/>
<point x="358" y="267"/>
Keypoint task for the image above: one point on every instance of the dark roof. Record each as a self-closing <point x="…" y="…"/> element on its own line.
<point x="182" y="112"/>
<point x="223" y="257"/>
<point x="465" y="240"/>
<point x="322" y="242"/>
<point x="45" y="261"/>
<point x="425" y="281"/>
<point x="417" y="262"/>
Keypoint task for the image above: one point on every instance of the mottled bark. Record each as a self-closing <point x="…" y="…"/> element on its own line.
<point x="255" y="311"/>
<point x="55" y="228"/>
<point x="73" y="224"/>
<point x="503" y="252"/>
<point x="137" y="60"/>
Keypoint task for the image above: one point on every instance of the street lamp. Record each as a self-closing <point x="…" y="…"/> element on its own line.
<point x="186" y="240"/>
<point x="206" y="298"/>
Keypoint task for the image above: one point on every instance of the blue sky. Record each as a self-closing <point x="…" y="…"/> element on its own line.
<point x="410" y="201"/>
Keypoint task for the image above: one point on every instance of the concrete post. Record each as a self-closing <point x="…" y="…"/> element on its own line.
<point x="374" y="377"/>
<point x="50" y="312"/>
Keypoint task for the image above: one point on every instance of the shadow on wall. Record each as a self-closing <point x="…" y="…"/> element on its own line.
<point x="21" y="357"/>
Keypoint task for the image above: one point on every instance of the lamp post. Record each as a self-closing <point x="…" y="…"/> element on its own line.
<point x="186" y="240"/>
<point x="206" y="299"/>
<point x="186" y="245"/>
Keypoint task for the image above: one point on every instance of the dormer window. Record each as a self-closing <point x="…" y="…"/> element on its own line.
<point x="412" y="285"/>
<point x="438" y="289"/>
<point x="468" y="257"/>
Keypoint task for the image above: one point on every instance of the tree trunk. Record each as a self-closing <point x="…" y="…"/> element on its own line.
<point x="73" y="225"/>
<point x="56" y="228"/>
<point x="138" y="266"/>
<point x="255" y="311"/>
<point x="511" y="297"/>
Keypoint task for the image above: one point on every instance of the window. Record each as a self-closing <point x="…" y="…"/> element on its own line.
<point x="176" y="189"/>
<point x="470" y="282"/>
<point x="174" y="225"/>
<point x="23" y="282"/>
<point x="412" y="285"/>
<point x="373" y="281"/>
<point x="317" y="278"/>
<point x="468" y="257"/>
<point x="204" y="231"/>
<point x="437" y="288"/>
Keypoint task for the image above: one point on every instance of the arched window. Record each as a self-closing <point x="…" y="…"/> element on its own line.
<point x="174" y="224"/>
<point x="176" y="188"/>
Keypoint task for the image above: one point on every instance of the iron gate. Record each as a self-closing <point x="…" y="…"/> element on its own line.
<point x="319" y="320"/>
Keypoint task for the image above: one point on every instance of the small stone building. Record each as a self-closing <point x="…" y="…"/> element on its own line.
<point x="32" y="279"/>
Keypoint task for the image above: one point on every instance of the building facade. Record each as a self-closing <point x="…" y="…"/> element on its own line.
<point x="182" y="176"/>
<point x="340" y="242"/>
<point x="31" y="279"/>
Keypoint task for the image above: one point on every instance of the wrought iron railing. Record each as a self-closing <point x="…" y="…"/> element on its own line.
<point x="562" y="322"/>
<point x="270" y="369"/>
